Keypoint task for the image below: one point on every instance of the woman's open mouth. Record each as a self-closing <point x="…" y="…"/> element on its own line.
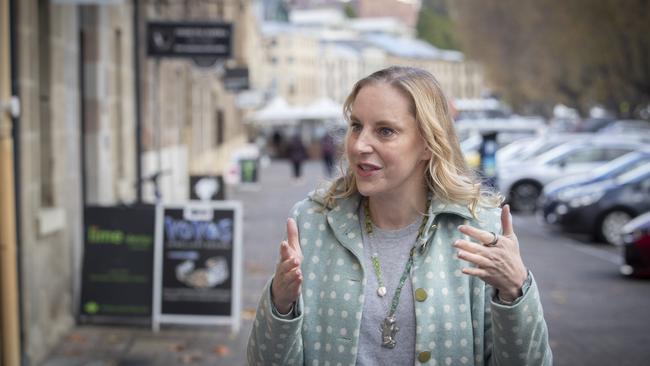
<point x="367" y="170"/>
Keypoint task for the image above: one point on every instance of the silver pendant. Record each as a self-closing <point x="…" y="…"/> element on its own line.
<point x="381" y="291"/>
<point x="388" y="330"/>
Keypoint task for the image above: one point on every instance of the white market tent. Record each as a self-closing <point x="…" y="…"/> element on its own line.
<point x="275" y="112"/>
<point x="278" y="112"/>
<point x="323" y="109"/>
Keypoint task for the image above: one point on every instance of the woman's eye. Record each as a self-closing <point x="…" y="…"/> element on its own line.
<point x="386" y="132"/>
<point x="355" y="127"/>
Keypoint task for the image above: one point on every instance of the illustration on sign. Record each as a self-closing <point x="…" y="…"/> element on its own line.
<point x="206" y="187"/>
<point x="214" y="273"/>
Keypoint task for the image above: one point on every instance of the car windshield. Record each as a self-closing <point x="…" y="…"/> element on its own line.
<point x="516" y="146"/>
<point x="539" y="149"/>
<point x="555" y="153"/>
<point x="634" y="174"/>
<point x="616" y="163"/>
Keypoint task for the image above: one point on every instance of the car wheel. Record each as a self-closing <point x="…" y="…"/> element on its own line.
<point x="611" y="224"/>
<point x="523" y="197"/>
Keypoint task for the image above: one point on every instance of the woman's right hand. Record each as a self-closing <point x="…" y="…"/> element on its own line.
<point x="288" y="278"/>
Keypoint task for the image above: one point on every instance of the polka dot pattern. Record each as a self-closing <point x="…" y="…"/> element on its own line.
<point x="458" y="323"/>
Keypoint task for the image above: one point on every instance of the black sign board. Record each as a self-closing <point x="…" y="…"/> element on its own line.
<point x="189" y="39"/>
<point x="116" y="279"/>
<point x="207" y="188"/>
<point x="236" y="79"/>
<point x="198" y="264"/>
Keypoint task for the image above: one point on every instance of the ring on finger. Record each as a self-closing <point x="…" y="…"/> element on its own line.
<point x="494" y="241"/>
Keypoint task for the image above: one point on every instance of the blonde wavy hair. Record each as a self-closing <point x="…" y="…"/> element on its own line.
<point x="447" y="175"/>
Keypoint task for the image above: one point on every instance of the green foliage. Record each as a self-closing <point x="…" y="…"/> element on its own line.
<point x="435" y="28"/>
<point x="349" y="11"/>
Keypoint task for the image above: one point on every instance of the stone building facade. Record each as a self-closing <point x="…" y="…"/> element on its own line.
<point x="76" y="82"/>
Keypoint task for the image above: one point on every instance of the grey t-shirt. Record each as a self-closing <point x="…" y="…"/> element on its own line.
<point x="392" y="247"/>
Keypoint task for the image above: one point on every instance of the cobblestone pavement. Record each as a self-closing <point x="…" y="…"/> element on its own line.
<point x="595" y="316"/>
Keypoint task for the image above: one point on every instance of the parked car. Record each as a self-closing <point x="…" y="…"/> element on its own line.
<point x="603" y="208"/>
<point x="522" y="183"/>
<point x="606" y="171"/>
<point x="508" y="130"/>
<point x="627" y="126"/>
<point x="536" y="146"/>
<point x="636" y="247"/>
<point x="592" y="124"/>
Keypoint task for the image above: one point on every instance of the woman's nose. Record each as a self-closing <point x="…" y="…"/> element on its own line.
<point x="363" y="143"/>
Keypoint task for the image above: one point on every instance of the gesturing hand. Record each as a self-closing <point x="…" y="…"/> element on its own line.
<point x="288" y="278"/>
<point x="498" y="264"/>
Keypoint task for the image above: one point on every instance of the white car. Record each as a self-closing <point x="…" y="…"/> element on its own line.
<point x="525" y="149"/>
<point x="523" y="182"/>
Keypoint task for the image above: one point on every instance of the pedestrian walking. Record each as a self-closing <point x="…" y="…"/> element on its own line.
<point x="297" y="153"/>
<point x="328" y="149"/>
<point x="406" y="259"/>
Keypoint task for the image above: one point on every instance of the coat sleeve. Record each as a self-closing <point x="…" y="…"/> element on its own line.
<point x="516" y="334"/>
<point x="274" y="340"/>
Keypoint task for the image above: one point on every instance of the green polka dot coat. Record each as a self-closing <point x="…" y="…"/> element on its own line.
<point x="458" y="323"/>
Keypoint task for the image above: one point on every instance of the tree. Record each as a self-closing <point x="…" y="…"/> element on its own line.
<point x="577" y="52"/>
<point x="434" y="24"/>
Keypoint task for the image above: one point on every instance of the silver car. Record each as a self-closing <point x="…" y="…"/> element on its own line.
<point x="522" y="182"/>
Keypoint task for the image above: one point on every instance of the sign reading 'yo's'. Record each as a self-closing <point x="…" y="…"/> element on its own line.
<point x="198" y="264"/>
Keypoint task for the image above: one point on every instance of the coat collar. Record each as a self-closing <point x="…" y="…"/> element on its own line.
<point x="343" y="219"/>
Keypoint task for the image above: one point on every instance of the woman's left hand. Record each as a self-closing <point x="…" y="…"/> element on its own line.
<point x="499" y="265"/>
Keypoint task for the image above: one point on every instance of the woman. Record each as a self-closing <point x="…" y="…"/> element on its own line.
<point x="399" y="261"/>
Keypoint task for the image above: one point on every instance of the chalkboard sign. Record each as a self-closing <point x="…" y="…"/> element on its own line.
<point x="117" y="269"/>
<point x="198" y="264"/>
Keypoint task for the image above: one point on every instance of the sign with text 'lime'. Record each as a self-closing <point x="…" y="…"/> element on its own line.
<point x="116" y="282"/>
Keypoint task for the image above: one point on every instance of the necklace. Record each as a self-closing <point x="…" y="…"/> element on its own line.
<point x="389" y="326"/>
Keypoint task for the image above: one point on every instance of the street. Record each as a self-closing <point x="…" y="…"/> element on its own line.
<point x="595" y="316"/>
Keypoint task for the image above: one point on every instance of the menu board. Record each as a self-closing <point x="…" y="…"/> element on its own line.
<point x="198" y="264"/>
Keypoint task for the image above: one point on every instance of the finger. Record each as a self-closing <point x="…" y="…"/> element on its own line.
<point x="471" y="247"/>
<point x="285" y="251"/>
<point x="478" y="260"/>
<point x="292" y="235"/>
<point x="288" y="265"/>
<point x="481" y="236"/>
<point x="289" y="280"/>
<point x="506" y="221"/>
<point x="476" y="272"/>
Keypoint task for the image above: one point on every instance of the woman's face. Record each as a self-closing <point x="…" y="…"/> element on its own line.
<point x="384" y="147"/>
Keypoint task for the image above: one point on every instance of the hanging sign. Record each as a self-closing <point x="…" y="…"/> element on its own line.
<point x="236" y="79"/>
<point x="197" y="274"/>
<point x="189" y="39"/>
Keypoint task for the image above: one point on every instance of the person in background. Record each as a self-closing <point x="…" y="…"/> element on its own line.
<point x="404" y="260"/>
<point x="297" y="153"/>
<point x="328" y="148"/>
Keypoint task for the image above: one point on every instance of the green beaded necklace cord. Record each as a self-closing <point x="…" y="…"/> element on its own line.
<point x="381" y="291"/>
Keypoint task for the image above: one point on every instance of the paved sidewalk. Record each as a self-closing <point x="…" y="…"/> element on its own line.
<point x="265" y="212"/>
